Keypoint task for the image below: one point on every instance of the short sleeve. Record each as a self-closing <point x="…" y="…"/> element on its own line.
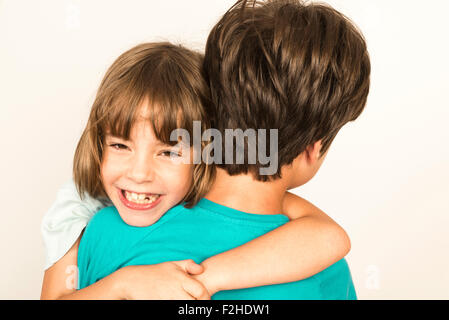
<point x="65" y="220"/>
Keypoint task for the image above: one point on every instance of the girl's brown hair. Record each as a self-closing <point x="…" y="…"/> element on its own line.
<point x="169" y="77"/>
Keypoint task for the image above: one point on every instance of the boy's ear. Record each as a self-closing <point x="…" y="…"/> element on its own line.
<point x="312" y="151"/>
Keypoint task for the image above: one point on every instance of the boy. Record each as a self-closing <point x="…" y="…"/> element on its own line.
<point x="301" y="69"/>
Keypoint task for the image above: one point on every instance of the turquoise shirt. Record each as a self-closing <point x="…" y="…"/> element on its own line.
<point x="208" y="229"/>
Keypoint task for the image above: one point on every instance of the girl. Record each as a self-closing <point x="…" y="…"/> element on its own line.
<point x="125" y="156"/>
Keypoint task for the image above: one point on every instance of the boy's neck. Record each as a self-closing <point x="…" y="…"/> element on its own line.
<point x="246" y="194"/>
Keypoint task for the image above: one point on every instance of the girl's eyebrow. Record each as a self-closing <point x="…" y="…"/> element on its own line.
<point x="111" y="136"/>
<point x="158" y="143"/>
<point x="162" y="144"/>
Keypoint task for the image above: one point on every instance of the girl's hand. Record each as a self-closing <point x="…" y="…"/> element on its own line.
<point x="164" y="281"/>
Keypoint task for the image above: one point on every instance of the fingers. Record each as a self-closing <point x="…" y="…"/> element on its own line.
<point x="181" y="295"/>
<point x="190" y="267"/>
<point x="204" y="296"/>
<point x="195" y="289"/>
<point x="193" y="268"/>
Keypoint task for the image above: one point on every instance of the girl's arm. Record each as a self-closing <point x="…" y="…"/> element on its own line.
<point x="169" y="280"/>
<point x="60" y="281"/>
<point x="63" y="223"/>
<point x="62" y="228"/>
<point x="306" y="245"/>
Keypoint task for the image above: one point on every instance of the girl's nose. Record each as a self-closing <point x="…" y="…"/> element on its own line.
<point x="142" y="169"/>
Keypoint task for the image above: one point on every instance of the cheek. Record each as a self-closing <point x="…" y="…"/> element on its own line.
<point x="180" y="180"/>
<point x="106" y="175"/>
<point x="110" y="169"/>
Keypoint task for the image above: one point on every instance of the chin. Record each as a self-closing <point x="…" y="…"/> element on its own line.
<point x="137" y="218"/>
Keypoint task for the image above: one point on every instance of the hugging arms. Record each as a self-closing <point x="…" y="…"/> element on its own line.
<point x="297" y="250"/>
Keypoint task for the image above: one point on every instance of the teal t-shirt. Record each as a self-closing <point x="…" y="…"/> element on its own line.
<point x="109" y="244"/>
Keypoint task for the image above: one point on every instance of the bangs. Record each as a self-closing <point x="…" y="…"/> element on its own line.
<point x="163" y="91"/>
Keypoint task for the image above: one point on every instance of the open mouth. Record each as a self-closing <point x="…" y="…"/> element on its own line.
<point x="140" y="198"/>
<point x="139" y="201"/>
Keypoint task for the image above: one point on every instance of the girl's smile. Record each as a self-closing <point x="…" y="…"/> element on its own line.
<point x="139" y="201"/>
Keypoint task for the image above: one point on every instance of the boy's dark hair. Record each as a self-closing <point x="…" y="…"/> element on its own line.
<point x="300" y="68"/>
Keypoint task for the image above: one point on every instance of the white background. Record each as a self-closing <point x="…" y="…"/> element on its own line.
<point x="385" y="180"/>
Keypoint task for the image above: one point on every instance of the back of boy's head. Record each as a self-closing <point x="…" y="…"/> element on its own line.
<point x="300" y="68"/>
<point x="168" y="77"/>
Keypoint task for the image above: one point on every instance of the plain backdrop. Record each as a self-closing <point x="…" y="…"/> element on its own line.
<point x="385" y="179"/>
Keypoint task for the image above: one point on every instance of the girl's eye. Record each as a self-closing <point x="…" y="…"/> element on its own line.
<point x="118" y="146"/>
<point x="170" y="153"/>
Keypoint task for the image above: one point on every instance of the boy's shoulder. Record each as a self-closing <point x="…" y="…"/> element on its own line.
<point x="336" y="282"/>
<point x="105" y="237"/>
<point x="106" y="214"/>
<point x="104" y="221"/>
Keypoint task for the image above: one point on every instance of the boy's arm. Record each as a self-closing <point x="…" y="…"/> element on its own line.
<point x="306" y="245"/>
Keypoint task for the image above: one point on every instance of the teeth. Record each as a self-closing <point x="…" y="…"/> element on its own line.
<point x="140" y="198"/>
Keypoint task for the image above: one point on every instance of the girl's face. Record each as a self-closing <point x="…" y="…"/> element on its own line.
<point x="143" y="177"/>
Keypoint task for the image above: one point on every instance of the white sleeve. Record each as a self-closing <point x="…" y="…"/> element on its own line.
<point x="64" y="221"/>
